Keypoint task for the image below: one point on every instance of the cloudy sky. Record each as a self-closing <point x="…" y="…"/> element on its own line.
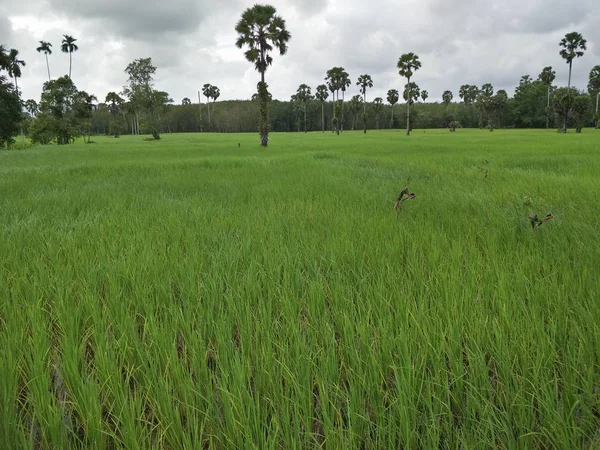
<point x="192" y="42"/>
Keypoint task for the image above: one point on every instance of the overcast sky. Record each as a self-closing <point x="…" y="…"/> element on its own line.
<point x="192" y="42"/>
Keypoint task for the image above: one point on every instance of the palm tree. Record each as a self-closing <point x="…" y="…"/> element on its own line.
<point x="215" y="93"/>
<point x="262" y="31"/>
<point x="31" y="107"/>
<point x="408" y="64"/>
<point x="573" y="45"/>
<point x="411" y="92"/>
<point x="463" y="93"/>
<point x="322" y="95"/>
<point x="303" y="95"/>
<point x="333" y="78"/>
<point x="186" y="101"/>
<point x="69" y="46"/>
<point x="594" y="87"/>
<point x="447" y="97"/>
<point x="14" y="66"/>
<point x="547" y="77"/>
<point x="377" y="106"/>
<point x="392" y="98"/>
<point x="424" y="95"/>
<point x="364" y="82"/>
<point x="355" y="104"/>
<point x="207" y="92"/>
<point x="46" y="47"/>
<point x="344" y="84"/>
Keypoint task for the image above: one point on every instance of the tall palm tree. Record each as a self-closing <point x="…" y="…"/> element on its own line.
<point x="344" y="84"/>
<point x="424" y="95"/>
<point x="594" y="87"/>
<point x="69" y="46"/>
<point x="463" y="93"/>
<point x="303" y="95"/>
<point x="547" y="77"/>
<point x="207" y="92"/>
<point x="355" y="104"/>
<point x="408" y="64"/>
<point x="364" y="82"/>
<point x="46" y="47"/>
<point x="377" y="106"/>
<point x="14" y="66"/>
<point x="262" y="31"/>
<point x="334" y="83"/>
<point x="215" y="93"/>
<point x="573" y="45"/>
<point x="322" y="95"/>
<point x="392" y="98"/>
<point x="447" y="97"/>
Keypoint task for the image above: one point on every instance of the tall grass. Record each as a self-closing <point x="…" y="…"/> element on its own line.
<point x="190" y="293"/>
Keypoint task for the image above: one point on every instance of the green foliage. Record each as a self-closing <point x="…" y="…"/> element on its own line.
<point x="582" y="107"/>
<point x="10" y="113"/>
<point x="562" y="102"/>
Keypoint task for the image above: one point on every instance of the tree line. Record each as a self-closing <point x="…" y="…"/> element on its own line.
<point x="65" y="113"/>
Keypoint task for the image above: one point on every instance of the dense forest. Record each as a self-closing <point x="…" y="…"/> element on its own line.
<point x="64" y="113"/>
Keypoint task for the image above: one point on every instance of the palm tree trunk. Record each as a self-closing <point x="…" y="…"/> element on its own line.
<point x="323" y="116"/>
<point x="392" y="121"/>
<point x="548" y="110"/>
<point x="305" y="127"/>
<point x="342" y="121"/>
<point x="365" y="111"/>
<point x="408" y="110"/>
<point x="570" y="67"/>
<point x="70" y="64"/>
<point x="48" y="66"/>
<point x="597" y="102"/>
<point x="264" y="114"/>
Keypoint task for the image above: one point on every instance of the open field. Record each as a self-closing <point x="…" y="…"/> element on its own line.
<point x="189" y="294"/>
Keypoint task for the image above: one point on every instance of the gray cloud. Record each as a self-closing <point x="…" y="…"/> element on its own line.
<point x="192" y="42"/>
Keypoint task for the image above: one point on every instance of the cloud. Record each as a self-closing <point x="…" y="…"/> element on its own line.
<point x="192" y="42"/>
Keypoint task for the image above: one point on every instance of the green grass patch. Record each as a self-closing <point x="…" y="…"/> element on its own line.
<point x="196" y="293"/>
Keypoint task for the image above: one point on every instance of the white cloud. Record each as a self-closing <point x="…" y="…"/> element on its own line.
<point x="192" y="42"/>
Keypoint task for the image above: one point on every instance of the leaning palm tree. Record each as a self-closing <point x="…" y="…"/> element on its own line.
<point x="392" y="98"/>
<point x="14" y="66"/>
<point x="573" y="45"/>
<point x="364" y="82"/>
<point x="547" y="77"/>
<point x="261" y="30"/>
<point x="322" y="95"/>
<point x="408" y="64"/>
<point x="69" y="46"/>
<point x="46" y="47"/>
<point x="594" y="88"/>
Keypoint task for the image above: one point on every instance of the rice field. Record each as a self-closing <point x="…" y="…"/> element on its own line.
<point x="200" y="292"/>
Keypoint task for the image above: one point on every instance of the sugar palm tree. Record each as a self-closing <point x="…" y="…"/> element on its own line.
<point x="303" y="95"/>
<point x="364" y="82"/>
<point x="322" y="95"/>
<point x="547" y="77"/>
<point x="69" y="46"/>
<point x="14" y="66"/>
<point x="408" y="64"/>
<point x="215" y="93"/>
<point x="262" y="31"/>
<point x="355" y="104"/>
<point x="377" y="106"/>
<point x="46" y="48"/>
<point x="344" y="84"/>
<point x="424" y="95"/>
<point x="392" y="98"/>
<point x="334" y="83"/>
<point x="573" y="45"/>
<point x="447" y="97"/>
<point x="207" y="92"/>
<point x="594" y="88"/>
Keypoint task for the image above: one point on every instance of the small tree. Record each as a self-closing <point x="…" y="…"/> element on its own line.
<point x="582" y="106"/>
<point x="562" y="102"/>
